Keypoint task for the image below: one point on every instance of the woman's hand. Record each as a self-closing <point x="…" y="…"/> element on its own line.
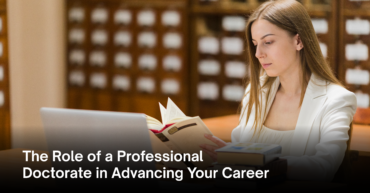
<point x="210" y="149"/>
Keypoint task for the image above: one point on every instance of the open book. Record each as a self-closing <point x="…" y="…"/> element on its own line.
<point x="178" y="133"/>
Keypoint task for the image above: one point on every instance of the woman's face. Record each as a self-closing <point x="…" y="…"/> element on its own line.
<point x="276" y="50"/>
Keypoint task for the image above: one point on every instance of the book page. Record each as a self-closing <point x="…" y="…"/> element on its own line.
<point x="163" y="113"/>
<point x="178" y="119"/>
<point x="153" y="123"/>
<point x="154" y="126"/>
<point x="173" y="111"/>
<point x="159" y="147"/>
<point x="188" y="137"/>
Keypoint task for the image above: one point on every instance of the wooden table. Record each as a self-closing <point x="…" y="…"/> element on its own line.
<point x="222" y="127"/>
<point x="361" y="139"/>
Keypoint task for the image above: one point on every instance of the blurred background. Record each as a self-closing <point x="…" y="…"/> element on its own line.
<point x="128" y="55"/>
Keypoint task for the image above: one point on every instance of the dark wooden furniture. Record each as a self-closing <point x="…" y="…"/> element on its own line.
<point x="5" y="140"/>
<point x="127" y="55"/>
<point x="354" y="63"/>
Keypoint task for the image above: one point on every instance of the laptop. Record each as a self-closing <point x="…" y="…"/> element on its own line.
<point x="69" y="132"/>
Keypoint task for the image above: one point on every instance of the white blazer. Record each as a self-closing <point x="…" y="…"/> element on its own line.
<point x="319" y="140"/>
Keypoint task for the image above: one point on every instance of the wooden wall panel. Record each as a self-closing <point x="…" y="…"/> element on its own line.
<point x="125" y="86"/>
<point x="211" y="87"/>
<point x="353" y="52"/>
<point x="5" y="140"/>
<point x="127" y="73"/>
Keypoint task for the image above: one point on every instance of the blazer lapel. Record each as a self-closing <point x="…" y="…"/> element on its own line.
<point x="313" y="101"/>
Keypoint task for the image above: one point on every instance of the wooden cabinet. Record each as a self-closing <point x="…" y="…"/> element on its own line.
<point x="353" y="52"/>
<point x="219" y="66"/>
<point x="4" y="80"/>
<point x="127" y="55"/>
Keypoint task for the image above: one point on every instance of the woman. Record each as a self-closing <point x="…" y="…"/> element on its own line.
<point x="293" y="99"/>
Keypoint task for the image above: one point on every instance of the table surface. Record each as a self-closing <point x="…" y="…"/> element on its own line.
<point x="222" y="127"/>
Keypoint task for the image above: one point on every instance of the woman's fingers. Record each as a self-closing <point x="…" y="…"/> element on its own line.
<point x="210" y="150"/>
<point x="209" y="147"/>
<point x="215" y="140"/>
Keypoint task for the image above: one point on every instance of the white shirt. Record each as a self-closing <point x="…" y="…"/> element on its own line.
<point x="271" y="136"/>
<point x="319" y="141"/>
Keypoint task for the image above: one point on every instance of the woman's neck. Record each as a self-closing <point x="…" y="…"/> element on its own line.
<point x="291" y="82"/>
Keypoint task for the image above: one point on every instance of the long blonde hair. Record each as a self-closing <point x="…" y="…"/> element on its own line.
<point x="291" y="16"/>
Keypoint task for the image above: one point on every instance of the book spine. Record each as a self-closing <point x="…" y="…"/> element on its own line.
<point x="272" y="154"/>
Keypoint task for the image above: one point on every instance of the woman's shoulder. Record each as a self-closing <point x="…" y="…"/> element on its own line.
<point x="338" y="91"/>
<point x="339" y="94"/>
